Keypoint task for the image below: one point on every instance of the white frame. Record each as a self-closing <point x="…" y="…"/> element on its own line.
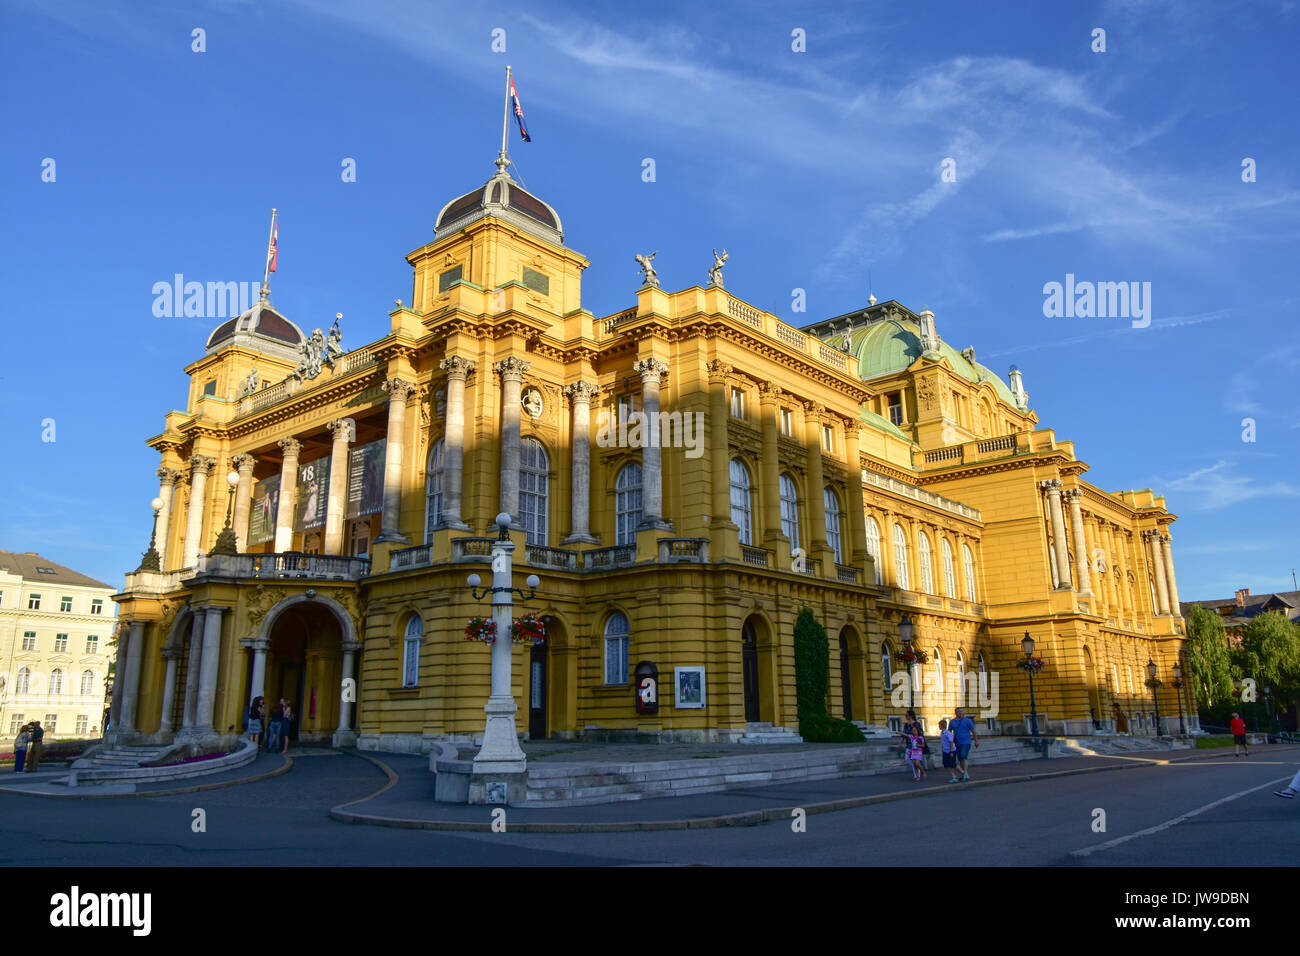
<point x="678" y="674"/>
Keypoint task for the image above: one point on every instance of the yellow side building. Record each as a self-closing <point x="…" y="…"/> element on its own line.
<point x="683" y="475"/>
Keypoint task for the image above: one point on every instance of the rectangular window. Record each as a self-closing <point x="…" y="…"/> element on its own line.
<point x="616" y="660"/>
<point x="210" y="388"/>
<point x="828" y="438"/>
<point x="446" y="279"/>
<point x="2" y="599"/>
<point x="787" y="422"/>
<point x="33" y="602"/>
<point x="97" y="606"/>
<point x="895" y="402"/>
<point x="29" y="640"/>
<point x="16" y="722"/>
<point x="83" y="721"/>
<point x="537" y="281"/>
<point x="65" y="604"/>
<point x="737" y="403"/>
<point x="50" y="723"/>
<point x="92" y="644"/>
<point x="60" y="643"/>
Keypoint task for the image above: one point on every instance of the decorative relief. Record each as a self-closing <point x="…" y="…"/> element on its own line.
<point x="531" y="400"/>
<point x="926" y="395"/>
<point x="259" y="602"/>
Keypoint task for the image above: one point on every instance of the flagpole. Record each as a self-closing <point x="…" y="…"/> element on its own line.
<point x="266" y="273"/>
<point x="503" y="161"/>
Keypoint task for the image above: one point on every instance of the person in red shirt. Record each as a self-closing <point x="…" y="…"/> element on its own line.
<point x="1238" y="728"/>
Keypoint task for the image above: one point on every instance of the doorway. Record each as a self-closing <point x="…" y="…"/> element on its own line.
<point x="537" y="692"/>
<point x="749" y="670"/>
<point x="846" y="678"/>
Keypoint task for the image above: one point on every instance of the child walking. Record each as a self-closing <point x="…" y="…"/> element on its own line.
<point x="948" y="742"/>
<point x="916" y="753"/>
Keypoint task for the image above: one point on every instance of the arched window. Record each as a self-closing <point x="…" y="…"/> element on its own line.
<point x="87" y="683"/>
<point x="984" y="677"/>
<point x="832" y="508"/>
<point x="740" y="501"/>
<point x="24" y="679"/>
<point x="789" y="511"/>
<point x="433" y="491"/>
<point x="886" y="669"/>
<point x="968" y="567"/>
<point x="534" y="494"/>
<point x="961" y="680"/>
<point x="949" y="573"/>
<point x="1114" y="677"/>
<point x="900" y="559"/>
<point x="927" y="569"/>
<point x="938" y="670"/>
<point x="617" y="634"/>
<point x="56" y="681"/>
<point x="873" y="548"/>
<point x="411" y="651"/>
<point x="627" y="503"/>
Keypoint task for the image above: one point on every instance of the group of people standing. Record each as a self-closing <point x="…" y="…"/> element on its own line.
<point x="956" y="740"/>
<point x="27" y="747"/>
<point x="271" y="735"/>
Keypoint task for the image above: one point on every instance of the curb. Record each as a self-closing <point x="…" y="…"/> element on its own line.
<point x="748" y="818"/>
<point x="284" y="768"/>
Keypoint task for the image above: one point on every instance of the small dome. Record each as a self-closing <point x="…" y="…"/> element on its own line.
<point x="503" y="198"/>
<point x="261" y="329"/>
<point x="883" y="348"/>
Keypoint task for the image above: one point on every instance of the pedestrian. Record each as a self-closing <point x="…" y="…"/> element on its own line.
<point x="916" y="752"/>
<point x="20" y="747"/>
<point x="1239" y="741"/>
<point x="273" y="731"/>
<point x="34" y="751"/>
<point x="1292" y="790"/>
<point x="948" y="744"/>
<point x="963" y="731"/>
<point x="286" y="725"/>
<point x="253" y="725"/>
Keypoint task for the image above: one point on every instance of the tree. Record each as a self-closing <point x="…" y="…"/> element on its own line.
<point x="812" y="675"/>
<point x="1270" y="653"/>
<point x="1209" y="661"/>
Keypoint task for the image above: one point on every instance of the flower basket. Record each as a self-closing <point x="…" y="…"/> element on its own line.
<point x="912" y="656"/>
<point x="529" y="629"/>
<point x="481" y="629"/>
<point x="1031" y="664"/>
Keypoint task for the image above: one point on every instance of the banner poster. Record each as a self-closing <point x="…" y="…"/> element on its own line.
<point x="366" y="479"/>
<point x="313" y="494"/>
<point x="261" y="518"/>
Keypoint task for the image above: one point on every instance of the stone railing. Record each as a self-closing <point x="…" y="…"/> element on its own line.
<point x="833" y="357"/>
<point x="846" y="574"/>
<point x="792" y="336"/>
<point x="557" y="558"/>
<point x="157" y="582"/>
<point x="745" y="313"/>
<point x="611" y="325"/>
<point x="812" y="567"/>
<point x="471" y="549"/>
<point x="615" y="556"/>
<point x="677" y="550"/>
<point x="952" y="452"/>
<point x="909" y="490"/>
<point x="273" y="395"/>
<point x="287" y="564"/>
<point x="358" y="358"/>
<point x="1005" y="443"/>
<point x="417" y="557"/>
<point x="755" y="556"/>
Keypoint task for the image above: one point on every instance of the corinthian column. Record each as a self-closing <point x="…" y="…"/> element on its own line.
<point x="244" y="464"/>
<point x="511" y="371"/>
<point x="210" y="661"/>
<point x="1080" y="542"/>
<point x="769" y="397"/>
<point x="1053" y="489"/>
<point x="398" y="391"/>
<point x="1174" y="607"/>
<point x="453" y="442"/>
<point x="200" y="467"/>
<point x="288" y="487"/>
<point x="170" y="654"/>
<point x="1157" y="559"/>
<point x="166" y="488"/>
<point x="131" y="678"/>
<point x="580" y="395"/>
<point x="854" y="538"/>
<point x="724" y="544"/>
<point x="652" y="475"/>
<point x="344" y="431"/>
<point x="812" y="443"/>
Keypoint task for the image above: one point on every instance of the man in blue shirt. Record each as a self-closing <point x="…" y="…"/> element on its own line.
<point x="963" y="730"/>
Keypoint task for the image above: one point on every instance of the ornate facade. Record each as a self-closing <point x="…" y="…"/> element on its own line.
<point x="683" y="475"/>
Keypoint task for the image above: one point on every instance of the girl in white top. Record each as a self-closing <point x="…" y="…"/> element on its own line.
<point x="948" y="742"/>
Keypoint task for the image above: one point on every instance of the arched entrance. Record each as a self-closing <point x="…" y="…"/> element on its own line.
<point x="304" y="666"/>
<point x="1094" y="689"/>
<point x="846" y="678"/>
<point x="749" y="670"/>
<point x="537" y="699"/>
<point x="560" y="672"/>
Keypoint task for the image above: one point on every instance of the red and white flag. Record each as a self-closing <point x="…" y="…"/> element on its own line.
<point x="270" y="253"/>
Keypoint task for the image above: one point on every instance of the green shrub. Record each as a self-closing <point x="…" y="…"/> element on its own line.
<point x="821" y="728"/>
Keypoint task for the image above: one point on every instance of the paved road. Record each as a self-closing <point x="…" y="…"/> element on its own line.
<point x="283" y="821"/>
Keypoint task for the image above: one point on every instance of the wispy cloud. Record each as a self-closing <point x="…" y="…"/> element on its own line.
<point x="1172" y="322"/>
<point x="1219" y="486"/>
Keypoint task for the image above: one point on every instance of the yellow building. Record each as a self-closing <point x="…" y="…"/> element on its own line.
<point x="860" y="467"/>
<point x="55" y="627"/>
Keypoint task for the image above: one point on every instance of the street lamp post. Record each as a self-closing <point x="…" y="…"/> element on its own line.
<point x="152" y="560"/>
<point x="1027" y="646"/>
<point x="905" y="633"/>
<point x="500" y="771"/>
<point x="1178" y="685"/>
<point x="1268" y="708"/>
<point x="1153" y="684"/>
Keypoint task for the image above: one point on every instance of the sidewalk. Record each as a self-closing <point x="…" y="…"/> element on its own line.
<point x="407" y="800"/>
<point x="39" y="784"/>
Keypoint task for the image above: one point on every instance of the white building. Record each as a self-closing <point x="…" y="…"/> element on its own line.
<point x="55" y="625"/>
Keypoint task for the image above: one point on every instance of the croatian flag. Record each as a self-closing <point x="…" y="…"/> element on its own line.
<point x="519" y="112"/>
<point x="270" y="253"/>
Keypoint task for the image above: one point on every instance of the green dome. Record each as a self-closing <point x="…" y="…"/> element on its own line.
<point x="883" y="348"/>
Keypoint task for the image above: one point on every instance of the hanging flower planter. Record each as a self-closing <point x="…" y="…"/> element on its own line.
<point x="529" y="629"/>
<point x="481" y="629"/>
<point x="1031" y="664"/>
<point x="912" y="655"/>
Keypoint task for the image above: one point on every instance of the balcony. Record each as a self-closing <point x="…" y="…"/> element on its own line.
<point x="557" y="559"/>
<point x="758" y="557"/>
<point x="604" y="559"/>
<point x="471" y="549"/>
<point x="679" y="550"/>
<point x="417" y="557"/>
<point x="846" y="575"/>
<point x="286" y="565"/>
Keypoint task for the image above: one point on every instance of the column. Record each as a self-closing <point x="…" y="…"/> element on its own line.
<point x="119" y="669"/>
<point x="257" y="683"/>
<point x="453" y="442"/>
<point x="208" y="670"/>
<point x="580" y="395"/>
<point x="812" y="442"/>
<point x="344" y="431"/>
<point x="350" y="649"/>
<point x="652" y="476"/>
<point x="511" y="371"/>
<point x="169" y="689"/>
<point x="166" y="488"/>
<point x="398" y="391"/>
<point x="244" y="464"/>
<point x="131" y="679"/>
<point x="1092" y="532"/>
<point x="855" y="541"/>
<point x="1080" y="542"/>
<point x="1157" y="559"/>
<point x="1174" y="607"/>
<point x="1053" y="489"/>
<point x="200" y="467"/>
<point x="719" y="449"/>
<point x="1108" y="542"/>
<point x="192" y="667"/>
<point x="288" y="489"/>
<point x="769" y="478"/>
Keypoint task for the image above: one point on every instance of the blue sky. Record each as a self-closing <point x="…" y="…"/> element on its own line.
<point x="812" y="168"/>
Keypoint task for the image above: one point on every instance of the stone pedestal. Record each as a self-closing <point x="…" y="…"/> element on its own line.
<point x="499" y="789"/>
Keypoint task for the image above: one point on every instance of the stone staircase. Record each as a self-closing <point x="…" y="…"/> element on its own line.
<point x="765" y="733"/>
<point x="120" y="758"/>
<point x="123" y="763"/>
